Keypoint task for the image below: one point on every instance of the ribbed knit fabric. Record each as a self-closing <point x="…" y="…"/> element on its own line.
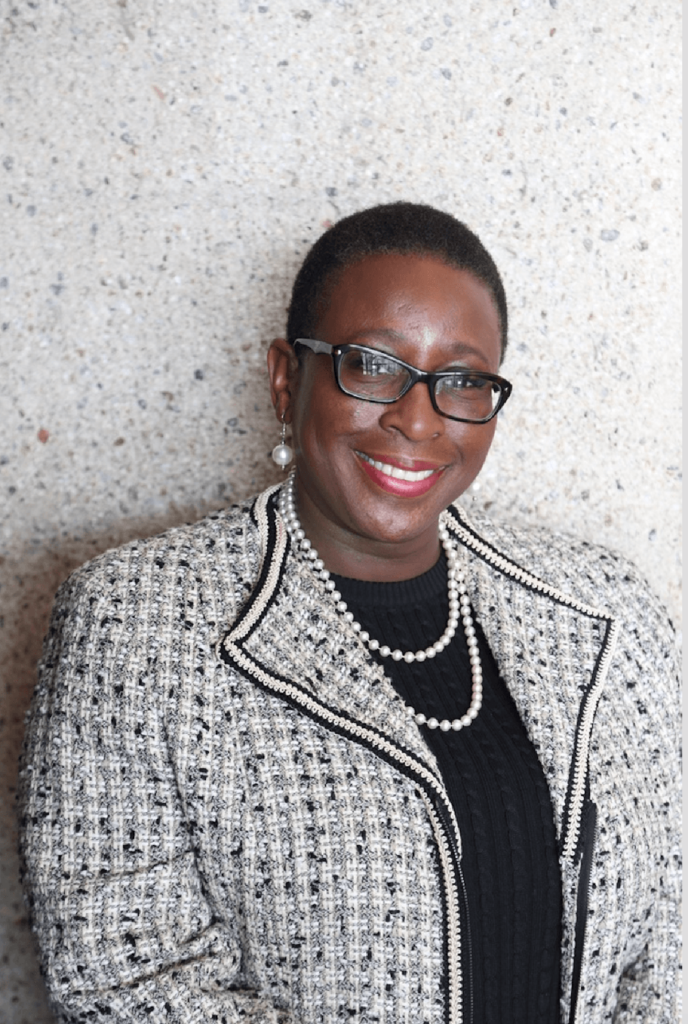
<point x="500" y="796"/>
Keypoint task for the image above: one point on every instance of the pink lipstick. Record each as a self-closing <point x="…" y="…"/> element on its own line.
<point x="406" y="481"/>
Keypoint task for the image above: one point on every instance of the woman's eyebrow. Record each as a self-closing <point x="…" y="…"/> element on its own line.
<point x="375" y="332"/>
<point x="458" y="348"/>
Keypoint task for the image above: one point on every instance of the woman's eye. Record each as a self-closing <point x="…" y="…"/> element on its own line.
<point x="464" y="382"/>
<point x="374" y="365"/>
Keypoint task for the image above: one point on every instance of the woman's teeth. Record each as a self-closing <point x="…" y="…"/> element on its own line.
<point x="398" y="474"/>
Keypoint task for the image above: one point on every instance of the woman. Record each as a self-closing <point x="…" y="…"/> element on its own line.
<point x="344" y="753"/>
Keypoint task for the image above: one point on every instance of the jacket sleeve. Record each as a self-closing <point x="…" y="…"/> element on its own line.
<point x="650" y="988"/>
<point x="127" y="932"/>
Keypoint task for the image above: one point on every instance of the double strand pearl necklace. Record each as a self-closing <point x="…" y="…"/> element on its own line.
<point x="459" y="606"/>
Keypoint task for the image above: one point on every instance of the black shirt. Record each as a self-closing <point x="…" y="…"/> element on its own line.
<point x="501" y="800"/>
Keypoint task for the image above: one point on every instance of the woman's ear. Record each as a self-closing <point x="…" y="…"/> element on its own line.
<point x="282" y="370"/>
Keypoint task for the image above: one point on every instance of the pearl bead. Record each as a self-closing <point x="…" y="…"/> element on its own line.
<point x="282" y="455"/>
<point x="432" y="723"/>
<point x="421" y="719"/>
<point x="365" y="636"/>
<point x="445" y="725"/>
<point x="397" y="655"/>
<point x="385" y="651"/>
<point x="457" y="725"/>
<point x="374" y="645"/>
<point x="465" y="720"/>
<point x="410" y="657"/>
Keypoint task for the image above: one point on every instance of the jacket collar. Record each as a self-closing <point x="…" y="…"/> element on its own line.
<point x="552" y="650"/>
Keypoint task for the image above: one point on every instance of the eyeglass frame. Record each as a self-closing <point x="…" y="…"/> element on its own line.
<point x="416" y="376"/>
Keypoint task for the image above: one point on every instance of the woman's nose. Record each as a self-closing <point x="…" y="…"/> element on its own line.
<point x="414" y="414"/>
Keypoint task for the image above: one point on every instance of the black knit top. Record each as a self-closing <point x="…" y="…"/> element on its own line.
<point x="498" y="789"/>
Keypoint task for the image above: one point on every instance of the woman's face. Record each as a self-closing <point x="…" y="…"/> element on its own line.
<point x="363" y="521"/>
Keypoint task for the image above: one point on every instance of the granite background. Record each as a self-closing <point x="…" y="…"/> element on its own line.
<point x="163" y="169"/>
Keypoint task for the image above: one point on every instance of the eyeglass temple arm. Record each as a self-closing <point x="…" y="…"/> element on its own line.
<point x="315" y="346"/>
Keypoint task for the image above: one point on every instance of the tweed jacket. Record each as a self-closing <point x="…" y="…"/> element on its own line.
<point x="227" y="815"/>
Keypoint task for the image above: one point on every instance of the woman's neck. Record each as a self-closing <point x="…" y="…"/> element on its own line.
<point x="357" y="556"/>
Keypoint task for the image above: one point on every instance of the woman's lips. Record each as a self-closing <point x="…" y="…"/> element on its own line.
<point x="396" y="479"/>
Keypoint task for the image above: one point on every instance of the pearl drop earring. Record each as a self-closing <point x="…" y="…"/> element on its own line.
<point x="282" y="454"/>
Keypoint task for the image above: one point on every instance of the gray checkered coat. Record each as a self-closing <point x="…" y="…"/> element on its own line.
<point x="227" y="815"/>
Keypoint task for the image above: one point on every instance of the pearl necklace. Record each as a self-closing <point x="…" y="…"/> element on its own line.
<point x="459" y="606"/>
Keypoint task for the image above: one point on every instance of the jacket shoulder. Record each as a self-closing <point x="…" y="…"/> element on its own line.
<point x="596" y="575"/>
<point x="219" y="552"/>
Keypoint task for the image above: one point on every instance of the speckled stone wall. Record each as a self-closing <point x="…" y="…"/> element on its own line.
<point x="165" y="166"/>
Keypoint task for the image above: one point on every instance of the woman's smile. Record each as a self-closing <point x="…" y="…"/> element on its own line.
<point x="391" y="476"/>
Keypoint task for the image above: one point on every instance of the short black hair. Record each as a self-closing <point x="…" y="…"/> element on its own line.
<point x="392" y="228"/>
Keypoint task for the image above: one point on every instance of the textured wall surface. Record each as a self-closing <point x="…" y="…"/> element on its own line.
<point x="165" y="166"/>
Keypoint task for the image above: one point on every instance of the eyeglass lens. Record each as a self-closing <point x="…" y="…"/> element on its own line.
<point x="377" y="377"/>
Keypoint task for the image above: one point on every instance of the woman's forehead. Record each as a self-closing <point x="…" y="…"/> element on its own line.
<point x="411" y="300"/>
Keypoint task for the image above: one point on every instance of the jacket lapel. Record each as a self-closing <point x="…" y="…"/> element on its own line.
<point x="293" y="640"/>
<point x="304" y="639"/>
<point x="548" y="647"/>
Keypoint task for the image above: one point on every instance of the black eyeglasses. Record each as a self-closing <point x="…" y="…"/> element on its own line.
<point x="470" y="396"/>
